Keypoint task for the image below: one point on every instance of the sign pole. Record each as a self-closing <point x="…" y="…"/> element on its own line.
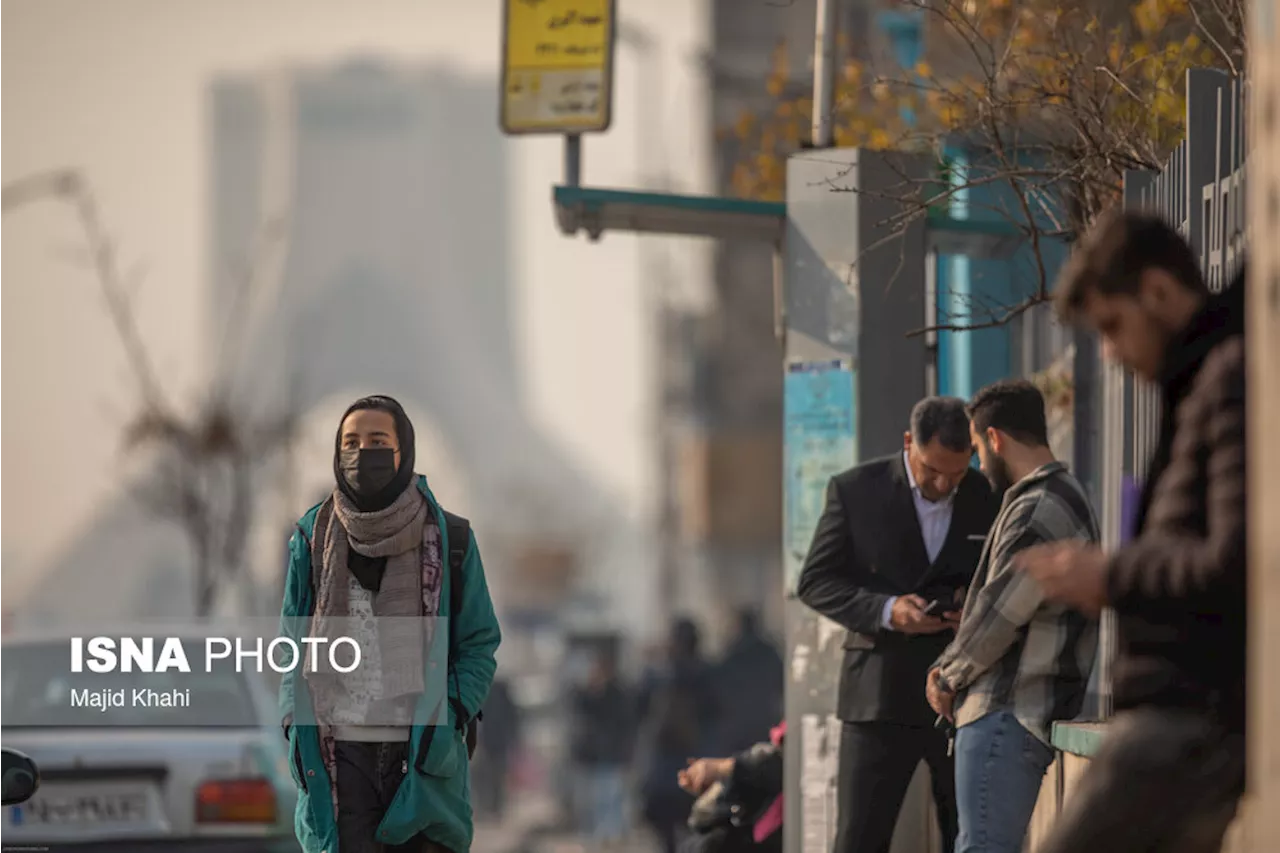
<point x="572" y="160"/>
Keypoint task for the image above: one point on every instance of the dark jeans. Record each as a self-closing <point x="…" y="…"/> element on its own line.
<point x="369" y="774"/>
<point x="877" y="761"/>
<point x="1164" y="781"/>
<point x="999" y="770"/>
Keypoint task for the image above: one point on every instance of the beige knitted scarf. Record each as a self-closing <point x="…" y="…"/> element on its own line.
<point x="399" y="533"/>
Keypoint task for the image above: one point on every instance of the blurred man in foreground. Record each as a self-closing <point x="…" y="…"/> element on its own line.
<point x="893" y="551"/>
<point x="1171" y="770"/>
<point x="1018" y="663"/>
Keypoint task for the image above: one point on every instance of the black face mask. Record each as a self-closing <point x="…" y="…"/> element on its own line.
<point x="368" y="470"/>
<point x="369" y="477"/>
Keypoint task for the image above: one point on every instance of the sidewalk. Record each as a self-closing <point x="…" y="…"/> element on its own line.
<point x="638" y="842"/>
<point x="528" y="813"/>
<point x="529" y="828"/>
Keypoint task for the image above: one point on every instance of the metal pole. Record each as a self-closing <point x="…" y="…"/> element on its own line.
<point x="572" y="160"/>
<point x="824" y="73"/>
<point x="779" y="295"/>
<point x="931" y="321"/>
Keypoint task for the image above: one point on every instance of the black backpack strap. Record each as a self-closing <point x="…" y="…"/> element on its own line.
<point x="303" y="534"/>
<point x="459" y="533"/>
<point x="324" y="515"/>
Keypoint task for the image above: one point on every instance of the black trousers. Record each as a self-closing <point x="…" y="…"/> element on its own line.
<point x="369" y="774"/>
<point x="877" y="761"/>
<point x="1164" y="781"/>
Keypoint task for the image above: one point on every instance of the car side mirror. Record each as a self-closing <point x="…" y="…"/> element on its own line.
<point x="20" y="779"/>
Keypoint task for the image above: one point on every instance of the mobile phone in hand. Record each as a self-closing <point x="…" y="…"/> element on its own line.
<point x="936" y="608"/>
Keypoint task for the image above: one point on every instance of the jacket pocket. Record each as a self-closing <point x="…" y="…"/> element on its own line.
<point x="857" y="640"/>
<point x="439" y="752"/>
<point x="295" y="761"/>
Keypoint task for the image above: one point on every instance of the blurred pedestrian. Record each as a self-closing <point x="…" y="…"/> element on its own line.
<point x="492" y="768"/>
<point x="1171" y="770"/>
<point x="679" y="711"/>
<point x="893" y="552"/>
<point x="378" y="753"/>
<point x="748" y="683"/>
<point x="1018" y="663"/>
<point x="602" y="743"/>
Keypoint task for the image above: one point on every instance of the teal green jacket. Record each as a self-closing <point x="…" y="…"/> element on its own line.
<point x="434" y="798"/>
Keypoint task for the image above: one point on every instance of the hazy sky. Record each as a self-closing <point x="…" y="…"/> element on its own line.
<point x="118" y="89"/>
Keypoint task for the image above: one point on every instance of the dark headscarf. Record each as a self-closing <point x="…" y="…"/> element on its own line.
<point x="404" y="435"/>
<point x="368" y="570"/>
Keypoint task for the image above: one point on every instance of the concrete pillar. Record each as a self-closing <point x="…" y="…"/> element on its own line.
<point x="1263" y="811"/>
<point x="846" y="301"/>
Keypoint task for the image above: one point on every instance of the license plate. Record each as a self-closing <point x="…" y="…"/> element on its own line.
<point x="83" y="805"/>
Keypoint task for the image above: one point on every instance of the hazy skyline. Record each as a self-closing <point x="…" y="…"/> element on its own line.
<point x="120" y="90"/>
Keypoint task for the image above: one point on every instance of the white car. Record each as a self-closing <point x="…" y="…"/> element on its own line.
<point x="209" y="777"/>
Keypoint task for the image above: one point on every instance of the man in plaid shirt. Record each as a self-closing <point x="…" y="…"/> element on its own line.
<point x="1018" y="662"/>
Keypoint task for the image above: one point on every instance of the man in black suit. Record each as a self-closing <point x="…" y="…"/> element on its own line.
<point x="897" y="534"/>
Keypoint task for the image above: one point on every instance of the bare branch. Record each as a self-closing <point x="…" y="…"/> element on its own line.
<point x="1207" y="32"/>
<point x="1002" y="319"/>
<point x="1052" y="103"/>
<point x="206" y="467"/>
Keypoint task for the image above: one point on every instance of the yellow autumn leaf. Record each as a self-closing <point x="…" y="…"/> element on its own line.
<point x="1129" y="66"/>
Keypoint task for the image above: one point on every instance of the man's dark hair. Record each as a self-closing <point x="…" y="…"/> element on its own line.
<point x="1013" y="406"/>
<point x="942" y="418"/>
<point x="1116" y="251"/>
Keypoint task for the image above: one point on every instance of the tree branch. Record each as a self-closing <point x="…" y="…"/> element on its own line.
<point x="1004" y="318"/>
<point x="207" y="467"/>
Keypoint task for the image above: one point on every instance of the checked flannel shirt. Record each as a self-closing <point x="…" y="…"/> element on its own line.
<point x="1013" y="650"/>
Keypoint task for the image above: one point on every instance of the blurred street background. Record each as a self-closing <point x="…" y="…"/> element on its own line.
<point x="225" y="220"/>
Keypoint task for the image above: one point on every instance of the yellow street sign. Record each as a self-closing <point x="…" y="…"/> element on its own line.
<point x="557" y="65"/>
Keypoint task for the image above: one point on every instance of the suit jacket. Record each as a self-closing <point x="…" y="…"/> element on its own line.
<point x="867" y="548"/>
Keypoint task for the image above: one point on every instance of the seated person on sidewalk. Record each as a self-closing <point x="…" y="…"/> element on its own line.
<point x="1018" y="662"/>
<point x="739" y="809"/>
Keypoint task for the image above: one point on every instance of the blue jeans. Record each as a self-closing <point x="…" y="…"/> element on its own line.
<point x="602" y="802"/>
<point x="999" y="768"/>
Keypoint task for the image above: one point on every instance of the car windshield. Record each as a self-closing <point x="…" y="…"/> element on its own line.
<point x="38" y="688"/>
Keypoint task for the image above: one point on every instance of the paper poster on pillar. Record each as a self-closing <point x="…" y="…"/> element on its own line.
<point x="819" y="763"/>
<point x="820" y="441"/>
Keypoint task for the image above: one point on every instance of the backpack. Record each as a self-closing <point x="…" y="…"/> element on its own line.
<point x="458" y="530"/>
